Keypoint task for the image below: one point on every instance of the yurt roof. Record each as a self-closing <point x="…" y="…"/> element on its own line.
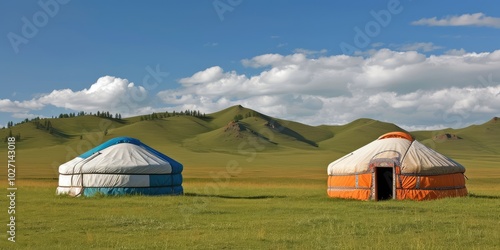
<point x="411" y="156"/>
<point x="122" y="155"/>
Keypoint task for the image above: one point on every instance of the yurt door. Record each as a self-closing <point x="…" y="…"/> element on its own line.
<point x="383" y="167"/>
<point x="384" y="183"/>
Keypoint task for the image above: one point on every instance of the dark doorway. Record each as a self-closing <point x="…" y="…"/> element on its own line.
<point x="384" y="182"/>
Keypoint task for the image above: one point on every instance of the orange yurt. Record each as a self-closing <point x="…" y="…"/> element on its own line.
<point x="395" y="166"/>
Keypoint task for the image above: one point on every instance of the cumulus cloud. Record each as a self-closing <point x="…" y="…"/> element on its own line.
<point x="405" y="87"/>
<point x="476" y="19"/>
<point x="6" y="105"/>
<point x="447" y="107"/>
<point x="108" y="93"/>
<point x="25" y="115"/>
<point x="456" y="52"/>
<point x="408" y="88"/>
<point x="208" y="75"/>
<point x="273" y="60"/>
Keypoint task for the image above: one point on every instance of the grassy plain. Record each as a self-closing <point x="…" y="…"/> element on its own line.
<point x="261" y="204"/>
<point x="249" y="186"/>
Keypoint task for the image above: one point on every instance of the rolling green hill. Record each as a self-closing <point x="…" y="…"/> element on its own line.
<point x="356" y="134"/>
<point x="483" y="139"/>
<point x="274" y="197"/>
<point x="233" y="131"/>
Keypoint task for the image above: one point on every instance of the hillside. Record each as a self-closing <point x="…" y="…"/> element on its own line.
<point x="236" y="130"/>
<point x="356" y="134"/>
<point x="483" y="139"/>
<point x="220" y="132"/>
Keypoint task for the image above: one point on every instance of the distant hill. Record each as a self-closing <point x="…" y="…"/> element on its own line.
<point x="356" y="134"/>
<point x="230" y="131"/>
<point x="226" y="129"/>
<point x="472" y="140"/>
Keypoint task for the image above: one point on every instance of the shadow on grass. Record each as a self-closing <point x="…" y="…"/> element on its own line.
<point x="236" y="197"/>
<point x="483" y="196"/>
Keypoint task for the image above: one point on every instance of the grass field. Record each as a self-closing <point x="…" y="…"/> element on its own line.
<point x="258" y="184"/>
<point x="258" y="206"/>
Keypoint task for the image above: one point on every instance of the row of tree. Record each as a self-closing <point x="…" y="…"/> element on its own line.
<point x="11" y="124"/>
<point x="46" y="125"/>
<point x="155" y="116"/>
<point x="104" y="114"/>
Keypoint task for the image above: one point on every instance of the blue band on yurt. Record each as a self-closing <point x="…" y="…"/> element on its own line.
<point x="109" y="143"/>
<point x="175" y="190"/>
<point x="165" y="180"/>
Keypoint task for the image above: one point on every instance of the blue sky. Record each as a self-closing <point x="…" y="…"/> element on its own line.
<point x="419" y="64"/>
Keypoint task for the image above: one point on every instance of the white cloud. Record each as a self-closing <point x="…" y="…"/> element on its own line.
<point x="108" y="93"/>
<point x="274" y="60"/>
<point x="420" y="108"/>
<point x="25" y="115"/>
<point x="424" y="47"/>
<point x="456" y="52"/>
<point x="407" y="88"/>
<point x="208" y="75"/>
<point x="404" y="87"/>
<point x="6" y="105"/>
<point x="476" y="19"/>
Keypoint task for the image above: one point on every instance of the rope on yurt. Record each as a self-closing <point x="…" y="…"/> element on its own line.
<point x="83" y="162"/>
<point x="73" y="174"/>
<point x="401" y="163"/>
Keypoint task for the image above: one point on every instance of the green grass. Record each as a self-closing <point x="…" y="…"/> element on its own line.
<point x="249" y="212"/>
<point x="274" y="201"/>
<point x="275" y="197"/>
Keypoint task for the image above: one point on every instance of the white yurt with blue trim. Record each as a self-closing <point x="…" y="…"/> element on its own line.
<point x="122" y="165"/>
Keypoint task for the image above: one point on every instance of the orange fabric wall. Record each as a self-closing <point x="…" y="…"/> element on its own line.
<point x="359" y="194"/>
<point x="418" y="194"/>
<point x="434" y="181"/>
<point x="430" y="187"/>
<point x="364" y="180"/>
<point x="342" y="181"/>
<point x="345" y="186"/>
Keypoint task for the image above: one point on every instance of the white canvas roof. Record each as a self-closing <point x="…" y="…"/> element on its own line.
<point x="119" y="158"/>
<point x="413" y="157"/>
